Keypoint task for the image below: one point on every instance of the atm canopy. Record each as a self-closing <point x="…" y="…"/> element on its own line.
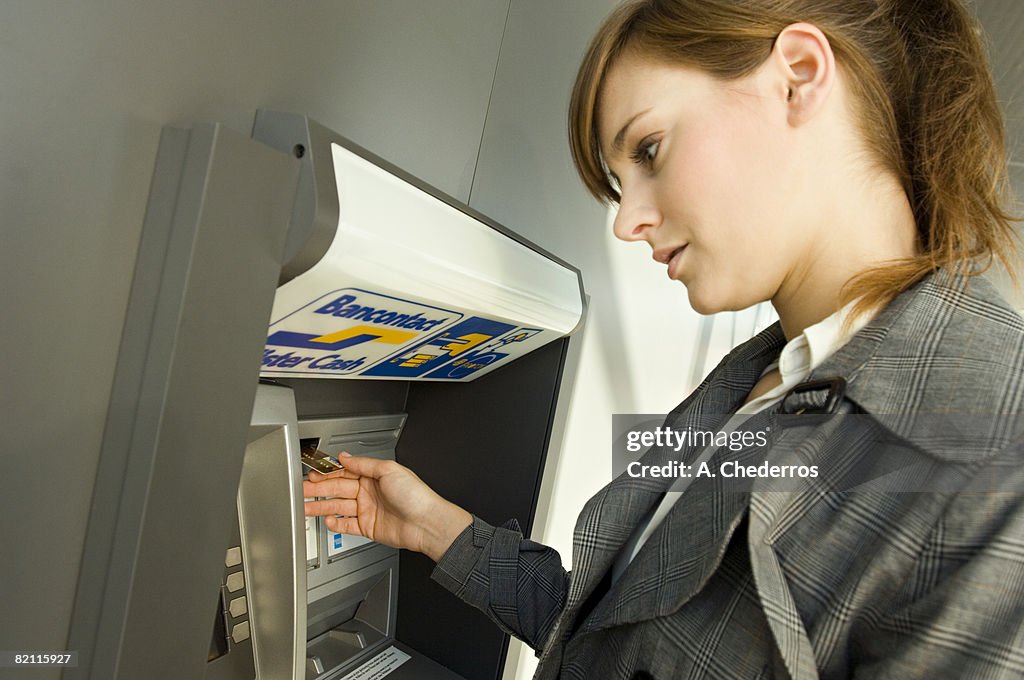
<point x="387" y="277"/>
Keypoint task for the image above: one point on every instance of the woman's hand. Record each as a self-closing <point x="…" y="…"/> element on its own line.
<point x="387" y="503"/>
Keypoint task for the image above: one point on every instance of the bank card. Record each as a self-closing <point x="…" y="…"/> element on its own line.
<point x="315" y="459"/>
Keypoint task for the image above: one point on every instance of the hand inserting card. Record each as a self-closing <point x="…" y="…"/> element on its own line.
<point x="315" y="459"/>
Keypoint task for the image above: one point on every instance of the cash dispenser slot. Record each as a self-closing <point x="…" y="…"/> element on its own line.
<point x="352" y="621"/>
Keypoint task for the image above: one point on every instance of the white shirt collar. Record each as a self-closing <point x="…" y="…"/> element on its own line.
<point x="807" y="351"/>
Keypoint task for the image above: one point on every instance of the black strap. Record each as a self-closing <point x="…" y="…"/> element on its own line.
<point x="816" y="397"/>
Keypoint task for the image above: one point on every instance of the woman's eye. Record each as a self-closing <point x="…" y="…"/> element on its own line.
<point x="645" y="152"/>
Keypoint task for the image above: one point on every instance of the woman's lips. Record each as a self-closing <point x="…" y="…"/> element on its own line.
<point x="673" y="262"/>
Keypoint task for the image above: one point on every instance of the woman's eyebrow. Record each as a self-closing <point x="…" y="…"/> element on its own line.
<point x="620" y="137"/>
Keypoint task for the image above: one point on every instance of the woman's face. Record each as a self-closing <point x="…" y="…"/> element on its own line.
<point x="707" y="178"/>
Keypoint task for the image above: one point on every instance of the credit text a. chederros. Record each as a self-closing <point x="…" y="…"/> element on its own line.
<point x="728" y="469"/>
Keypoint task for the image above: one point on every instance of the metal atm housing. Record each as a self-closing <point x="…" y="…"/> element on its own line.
<point x="205" y="566"/>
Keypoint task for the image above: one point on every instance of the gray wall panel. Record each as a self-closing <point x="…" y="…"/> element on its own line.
<point x="84" y="91"/>
<point x="525" y="178"/>
<point x="1003" y="21"/>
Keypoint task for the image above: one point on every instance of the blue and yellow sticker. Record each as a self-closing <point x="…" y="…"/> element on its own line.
<point x="356" y="332"/>
<point x="460" y="340"/>
<point x="349" y="330"/>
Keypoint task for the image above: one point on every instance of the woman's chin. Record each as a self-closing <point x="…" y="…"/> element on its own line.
<point x="702" y="303"/>
<point x="707" y="302"/>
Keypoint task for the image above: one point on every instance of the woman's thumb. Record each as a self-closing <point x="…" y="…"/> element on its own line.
<point x="364" y="466"/>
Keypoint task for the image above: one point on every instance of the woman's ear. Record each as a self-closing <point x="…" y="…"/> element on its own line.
<point x="807" y="68"/>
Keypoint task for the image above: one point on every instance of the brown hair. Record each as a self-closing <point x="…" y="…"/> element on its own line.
<point x="925" y="104"/>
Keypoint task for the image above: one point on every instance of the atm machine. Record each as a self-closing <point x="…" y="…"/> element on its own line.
<point x="397" y="323"/>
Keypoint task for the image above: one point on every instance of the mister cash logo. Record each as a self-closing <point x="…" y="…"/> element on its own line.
<point x="347" y="331"/>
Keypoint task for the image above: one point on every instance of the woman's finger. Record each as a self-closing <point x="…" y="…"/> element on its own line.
<point x="364" y="466"/>
<point x="330" y="507"/>
<point x="344" y="525"/>
<point x="317" y="476"/>
<point x="333" y="486"/>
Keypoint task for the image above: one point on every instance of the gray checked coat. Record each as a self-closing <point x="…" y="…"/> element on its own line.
<point x="828" y="581"/>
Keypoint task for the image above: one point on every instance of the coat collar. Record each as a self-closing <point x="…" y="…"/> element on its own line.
<point x="947" y="353"/>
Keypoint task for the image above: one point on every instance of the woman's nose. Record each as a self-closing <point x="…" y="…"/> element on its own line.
<point x="636" y="216"/>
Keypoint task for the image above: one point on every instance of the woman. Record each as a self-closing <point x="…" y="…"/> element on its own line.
<point x="843" y="159"/>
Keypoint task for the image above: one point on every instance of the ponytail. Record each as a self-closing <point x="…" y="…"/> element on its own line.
<point x="952" y="144"/>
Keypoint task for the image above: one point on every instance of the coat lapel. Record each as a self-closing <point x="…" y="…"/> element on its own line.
<point x="608" y="519"/>
<point x="685" y="549"/>
<point x="772" y="512"/>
